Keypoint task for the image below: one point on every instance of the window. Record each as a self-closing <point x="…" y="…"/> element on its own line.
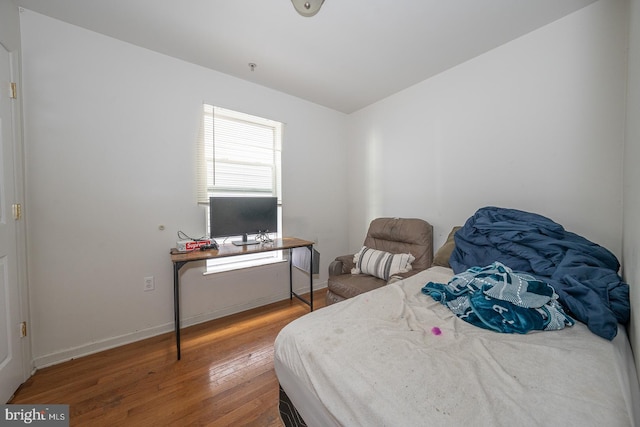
<point x="239" y="155"/>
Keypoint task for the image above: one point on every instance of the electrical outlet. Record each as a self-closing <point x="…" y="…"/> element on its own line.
<point x="149" y="283"/>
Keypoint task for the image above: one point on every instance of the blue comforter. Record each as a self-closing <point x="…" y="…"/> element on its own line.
<point x="583" y="274"/>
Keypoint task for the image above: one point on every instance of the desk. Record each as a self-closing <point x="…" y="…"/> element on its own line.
<point x="179" y="259"/>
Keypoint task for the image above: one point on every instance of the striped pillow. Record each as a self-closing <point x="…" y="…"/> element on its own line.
<point x="381" y="264"/>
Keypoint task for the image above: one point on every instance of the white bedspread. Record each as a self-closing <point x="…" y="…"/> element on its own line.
<point x="376" y="360"/>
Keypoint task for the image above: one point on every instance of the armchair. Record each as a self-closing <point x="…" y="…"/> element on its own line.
<point x="390" y="235"/>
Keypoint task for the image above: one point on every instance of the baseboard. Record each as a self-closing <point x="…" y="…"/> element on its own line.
<point x="98" y="346"/>
<point x="109" y="343"/>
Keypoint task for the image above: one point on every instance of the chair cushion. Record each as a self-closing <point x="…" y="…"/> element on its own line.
<point x="348" y="286"/>
<point x="381" y="264"/>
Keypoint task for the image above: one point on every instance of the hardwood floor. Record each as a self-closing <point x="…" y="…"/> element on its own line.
<point x="225" y="376"/>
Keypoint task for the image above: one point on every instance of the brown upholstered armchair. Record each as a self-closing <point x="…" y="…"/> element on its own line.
<point x="391" y="235"/>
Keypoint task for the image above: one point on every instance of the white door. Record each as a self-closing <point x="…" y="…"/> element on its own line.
<point x="11" y="358"/>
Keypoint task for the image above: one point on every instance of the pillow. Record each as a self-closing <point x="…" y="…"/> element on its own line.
<point x="444" y="253"/>
<point x="381" y="264"/>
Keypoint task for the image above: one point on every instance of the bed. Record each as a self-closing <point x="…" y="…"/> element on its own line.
<point x="396" y="356"/>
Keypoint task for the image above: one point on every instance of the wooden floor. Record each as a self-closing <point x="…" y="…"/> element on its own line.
<point x="225" y="376"/>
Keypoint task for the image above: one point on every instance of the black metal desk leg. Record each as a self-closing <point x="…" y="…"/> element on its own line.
<point x="310" y="277"/>
<point x="176" y="303"/>
<point x="290" y="274"/>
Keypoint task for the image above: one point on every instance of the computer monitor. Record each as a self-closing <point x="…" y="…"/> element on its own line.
<point x="242" y="216"/>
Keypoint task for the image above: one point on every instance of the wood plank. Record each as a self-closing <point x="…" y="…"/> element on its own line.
<point x="225" y="377"/>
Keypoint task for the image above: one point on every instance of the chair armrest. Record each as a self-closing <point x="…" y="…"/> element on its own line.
<point x="335" y="268"/>
<point x="341" y="265"/>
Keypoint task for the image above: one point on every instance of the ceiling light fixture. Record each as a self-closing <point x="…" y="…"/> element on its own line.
<point x="307" y="7"/>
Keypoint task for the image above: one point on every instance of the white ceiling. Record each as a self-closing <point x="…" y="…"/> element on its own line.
<point x="351" y="54"/>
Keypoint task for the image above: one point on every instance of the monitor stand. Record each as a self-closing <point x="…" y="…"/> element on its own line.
<point x="245" y="241"/>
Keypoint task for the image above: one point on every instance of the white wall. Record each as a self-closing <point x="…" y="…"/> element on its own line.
<point x="536" y="124"/>
<point x="631" y="238"/>
<point x="110" y="136"/>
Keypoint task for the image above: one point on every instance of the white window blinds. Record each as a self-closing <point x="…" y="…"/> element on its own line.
<point x="238" y="154"/>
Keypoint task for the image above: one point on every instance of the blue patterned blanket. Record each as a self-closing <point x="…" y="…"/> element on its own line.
<point x="582" y="273"/>
<point x="496" y="298"/>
